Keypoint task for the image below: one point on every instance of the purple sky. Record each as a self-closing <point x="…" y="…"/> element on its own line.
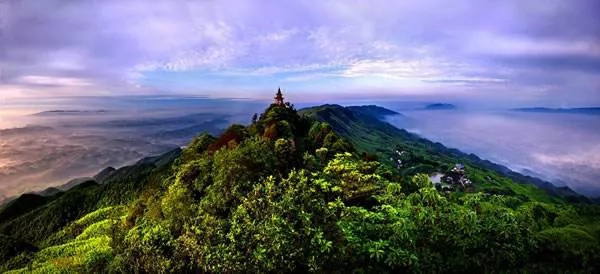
<point x="515" y="51"/>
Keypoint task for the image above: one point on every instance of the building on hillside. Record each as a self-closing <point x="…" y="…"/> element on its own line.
<point x="279" y="98"/>
<point x="457" y="177"/>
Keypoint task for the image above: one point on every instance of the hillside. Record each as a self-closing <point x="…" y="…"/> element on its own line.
<point x="363" y="126"/>
<point x="371" y="110"/>
<point x="326" y="189"/>
<point x="44" y="215"/>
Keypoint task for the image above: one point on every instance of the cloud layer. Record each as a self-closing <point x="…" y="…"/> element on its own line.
<point x="543" y="52"/>
<point x="82" y="136"/>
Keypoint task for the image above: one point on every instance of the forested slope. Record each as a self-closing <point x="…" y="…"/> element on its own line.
<point x="362" y="125"/>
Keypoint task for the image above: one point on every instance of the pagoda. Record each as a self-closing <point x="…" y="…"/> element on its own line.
<point x="279" y="98"/>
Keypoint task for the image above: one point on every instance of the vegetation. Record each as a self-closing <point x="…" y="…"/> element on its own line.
<point x="369" y="134"/>
<point x="302" y="193"/>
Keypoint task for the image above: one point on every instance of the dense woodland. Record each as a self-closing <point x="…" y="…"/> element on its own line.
<point x="315" y="191"/>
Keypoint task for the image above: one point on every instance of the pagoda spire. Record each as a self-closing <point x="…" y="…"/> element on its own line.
<point x="279" y="97"/>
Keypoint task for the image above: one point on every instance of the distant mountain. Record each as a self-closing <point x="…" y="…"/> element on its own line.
<point x="74" y="182"/>
<point x="24" y="130"/>
<point x="62" y="112"/>
<point x="186" y="120"/>
<point x="21" y="205"/>
<point x="440" y="106"/>
<point x="161" y="160"/>
<point x="64" y="187"/>
<point x="104" y="174"/>
<point x="213" y="126"/>
<point x="587" y="110"/>
<point x="375" y="111"/>
<point x="49" y="191"/>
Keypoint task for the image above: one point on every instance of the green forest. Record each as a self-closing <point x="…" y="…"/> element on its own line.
<point x="323" y="189"/>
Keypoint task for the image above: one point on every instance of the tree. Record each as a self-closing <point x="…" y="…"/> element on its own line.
<point x="198" y="146"/>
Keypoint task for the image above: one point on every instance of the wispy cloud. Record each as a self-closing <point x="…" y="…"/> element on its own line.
<point x="118" y="47"/>
<point x="53" y="81"/>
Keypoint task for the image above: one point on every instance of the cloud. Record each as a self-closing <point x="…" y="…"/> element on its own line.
<point x="392" y="69"/>
<point x="466" y="80"/>
<point x="582" y="167"/>
<point x="117" y="47"/>
<point x="53" y="81"/>
<point x="527" y="46"/>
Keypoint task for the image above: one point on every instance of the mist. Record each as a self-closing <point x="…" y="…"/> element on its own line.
<point x="560" y="148"/>
<point x="47" y="143"/>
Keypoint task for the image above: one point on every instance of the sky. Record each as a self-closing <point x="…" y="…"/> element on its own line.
<point x="521" y="52"/>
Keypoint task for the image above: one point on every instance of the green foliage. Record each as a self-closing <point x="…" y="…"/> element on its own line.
<point x="287" y="156"/>
<point x="199" y="145"/>
<point x="567" y="248"/>
<point x="232" y="136"/>
<point x="177" y="204"/>
<point x="71" y="256"/>
<point x="235" y="171"/>
<point x="15" y="252"/>
<point x="96" y="230"/>
<point x="23" y="204"/>
<point x="196" y="175"/>
<point x="50" y="218"/>
<point x="89" y="251"/>
<point x="151" y="246"/>
<point x="89" y="255"/>
<point x="111" y="212"/>
<point x="72" y="249"/>
<point x="282" y="226"/>
<point x="419" y="232"/>
<point x="358" y="178"/>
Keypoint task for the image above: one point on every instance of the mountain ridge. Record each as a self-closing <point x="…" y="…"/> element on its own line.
<point x="324" y="113"/>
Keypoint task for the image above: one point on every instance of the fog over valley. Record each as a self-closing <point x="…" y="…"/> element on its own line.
<point x="70" y="138"/>
<point x="561" y="148"/>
